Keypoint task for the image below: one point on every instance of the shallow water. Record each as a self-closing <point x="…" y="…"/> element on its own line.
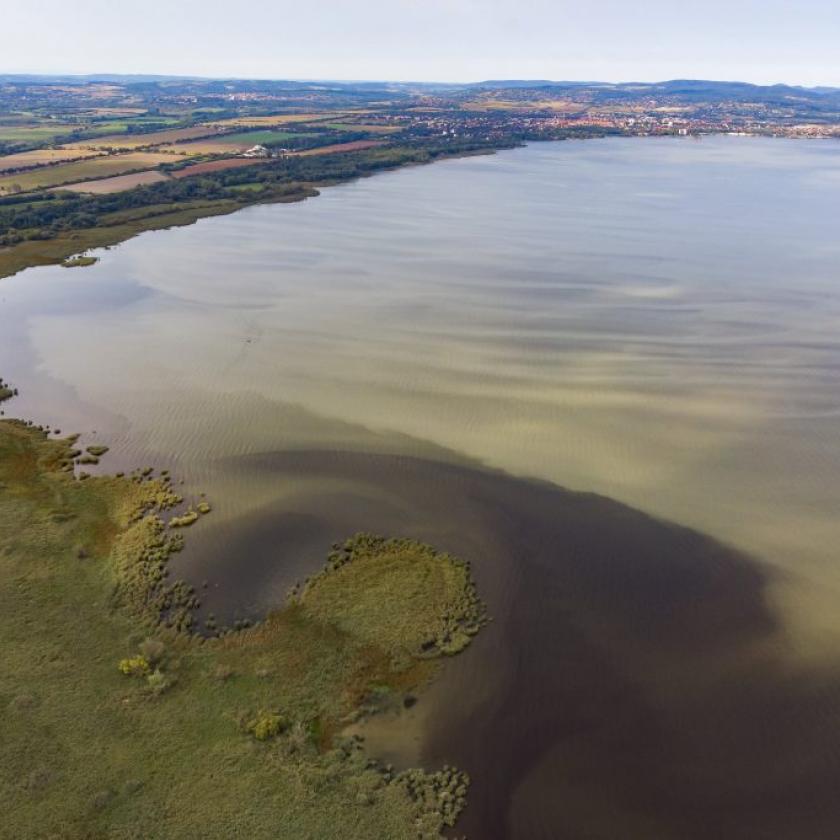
<point x="655" y="320"/>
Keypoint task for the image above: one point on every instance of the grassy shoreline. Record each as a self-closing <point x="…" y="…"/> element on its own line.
<point x="121" y="721"/>
<point x="55" y="251"/>
<point x="125" y="225"/>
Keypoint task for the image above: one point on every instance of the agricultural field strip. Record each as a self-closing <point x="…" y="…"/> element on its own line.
<point x="118" y="183"/>
<point x="153" y="138"/>
<point x="335" y="148"/>
<point x="43" y="157"/>
<point x="85" y="170"/>
<point x="230" y="143"/>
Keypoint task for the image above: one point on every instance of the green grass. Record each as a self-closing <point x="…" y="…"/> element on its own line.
<point x="370" y="591"/>
<point x="247" y="188"/>
<point x="107" y="734"/>
<point x="259" y="137"/>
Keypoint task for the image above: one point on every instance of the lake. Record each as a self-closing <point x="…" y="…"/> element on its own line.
<point x="605" y="371"/>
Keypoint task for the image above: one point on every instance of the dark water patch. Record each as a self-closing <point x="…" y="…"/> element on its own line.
<point x="633" y="682"/>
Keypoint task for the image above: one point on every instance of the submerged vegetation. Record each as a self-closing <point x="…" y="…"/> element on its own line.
<point x="121" y="720"/>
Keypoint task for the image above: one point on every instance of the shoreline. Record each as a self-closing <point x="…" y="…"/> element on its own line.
<point x="34" y="253"/>
<point x="85" y="565"/>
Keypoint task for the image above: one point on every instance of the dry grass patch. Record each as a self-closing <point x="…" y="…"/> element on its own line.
<point x="118" y="183"/>
<point x="280" y="119"/>
<point x="43" y="157"/>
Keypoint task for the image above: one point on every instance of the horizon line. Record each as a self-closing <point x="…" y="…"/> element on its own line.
<point x="373" y="81"/>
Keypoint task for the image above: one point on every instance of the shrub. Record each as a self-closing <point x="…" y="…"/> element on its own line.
<point x="158" y="682"/>
<point x="266" y="725"/>
<point x="134" y="666"/>
<point x="152" y="651"/>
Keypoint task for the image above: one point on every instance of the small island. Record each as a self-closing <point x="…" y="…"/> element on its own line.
<point x="79" y="262"/>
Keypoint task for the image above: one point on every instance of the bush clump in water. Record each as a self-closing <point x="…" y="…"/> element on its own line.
<point x="184" y="521"/>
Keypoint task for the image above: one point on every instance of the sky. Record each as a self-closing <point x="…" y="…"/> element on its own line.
<point x="763" y="41"/>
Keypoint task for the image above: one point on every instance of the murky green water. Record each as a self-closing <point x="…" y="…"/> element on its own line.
<point x="654" y="320"/>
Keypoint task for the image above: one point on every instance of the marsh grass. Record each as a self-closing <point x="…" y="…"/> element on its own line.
<point x="118" y="721"/>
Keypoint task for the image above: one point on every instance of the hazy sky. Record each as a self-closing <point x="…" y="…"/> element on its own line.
<point x="795" y="41"/>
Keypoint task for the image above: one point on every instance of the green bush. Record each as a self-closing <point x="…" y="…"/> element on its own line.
<point x="266" y="725"/>
<point x="158" y="682"/>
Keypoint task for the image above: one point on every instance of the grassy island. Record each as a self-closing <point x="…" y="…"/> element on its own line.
<point x="79" y="262"/>
<point x="121" y="721"/>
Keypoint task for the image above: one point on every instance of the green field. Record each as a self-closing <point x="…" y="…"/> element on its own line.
<point x="117" y="726"/>
<point x="260" y="137"/>
<point x="371" y="129"/>
<point x="34" y="133"/>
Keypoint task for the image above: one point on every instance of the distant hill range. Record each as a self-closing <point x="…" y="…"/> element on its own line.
<point x="699" y="89"/>
<point x="686" y="91"/>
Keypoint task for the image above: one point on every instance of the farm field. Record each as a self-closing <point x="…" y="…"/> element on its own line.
<point x="118" y="183"/>
<point x="279" y="119"/>
<point x="43" y="157"/>
<point x="336" y="148"/>
<point x="252" y="138"/>
<point x="85" y="170"/>
<point x="231" y="143"/>
<point x="34" y="133"/>
<point x="135" y="141"/>
<point x="373" y="129"/>
<point x="215" y="166"/>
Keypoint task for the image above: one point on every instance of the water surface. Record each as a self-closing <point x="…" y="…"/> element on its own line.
<point x="654" y="320"/>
